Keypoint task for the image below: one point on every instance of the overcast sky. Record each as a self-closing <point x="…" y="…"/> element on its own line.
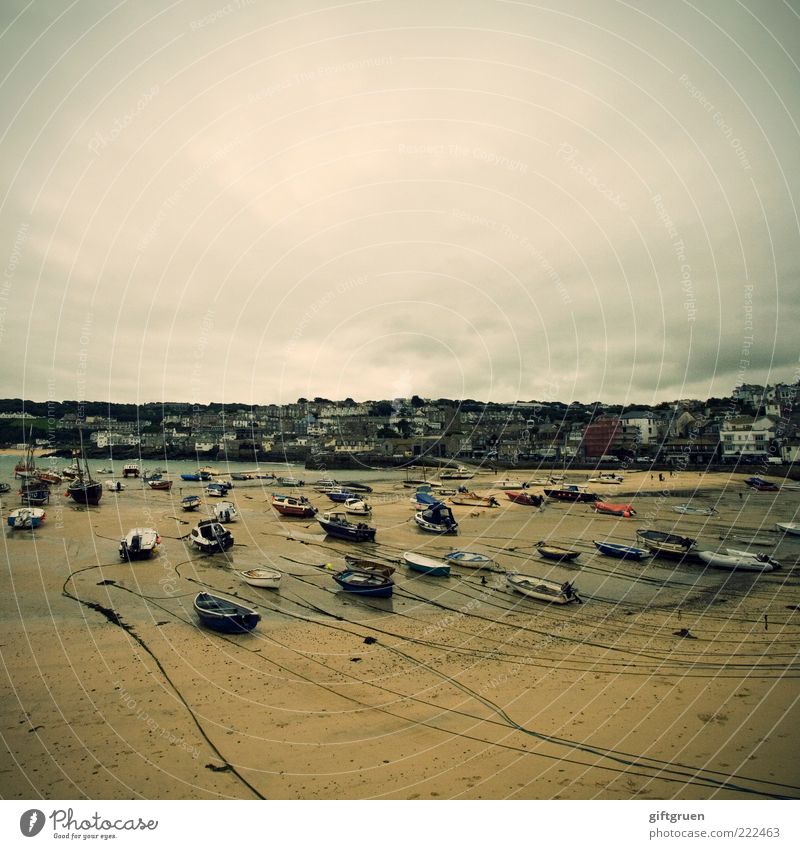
<point x="254" y="201"/>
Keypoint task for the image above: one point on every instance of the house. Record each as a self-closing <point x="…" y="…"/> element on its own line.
<point x="742" y="436"/>
<point x="648" y="424"/>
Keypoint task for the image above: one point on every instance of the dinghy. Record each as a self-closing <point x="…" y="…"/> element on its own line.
<point x="426" y="565"/>
<point x="733" y="563"/>
<point x="615" y="549"/>
<point x="542" y="590"/>
<point x="373" y="584"/>
<point x="263" y="578"/>
<point x="221" y="614"/>
<point x="469" y="559"/>
<point x="792" y="528"/>
<point x="556" y="552"/>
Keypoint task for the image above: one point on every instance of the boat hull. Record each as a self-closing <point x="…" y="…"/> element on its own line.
<point x="372" y="584"/>
<point x="87" y="493"/>
<point x="224" y="616"/>
<point x="469" y="559"/>
<point x="267" y="579"/>
<point x="426" y="565"/>
<point x="622" y="552"/>
<point x="555" y="552"/>
<point x="541" y="590"/>
<point x="575" y="495"/>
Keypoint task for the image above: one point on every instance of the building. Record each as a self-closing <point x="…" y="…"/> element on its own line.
<point x="742" y="436"/>
<point x="648" y="424"/>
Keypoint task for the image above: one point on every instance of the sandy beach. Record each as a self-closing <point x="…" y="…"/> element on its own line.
<point x="669" y="681"/>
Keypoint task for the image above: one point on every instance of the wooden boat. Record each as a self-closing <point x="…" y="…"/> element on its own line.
<point x="792" y="528"/>
<point x="221" y="614"/>
<point x="299" y="507"/>
<point x="372" y="584"/>
<point x="555" y="552"/>
<point x="615" y="549"/>
<point x="472" y="499"/>
<point x="139" y="544"/>
<point x="34" y="493"/>
<point x="437" y="519"/>
<point x="458" y="474"/>
<point x="543" y="590"/>
<point x="571" y="492"/>
<point x="83" y="489"/>
<point x="130" y="470"/>
<point x="336" y="525"/>
<point x="426" y="565"/>
<point x="211" y="537"/>
<point x="190" y="502"/>
<point x="624" y="510"/>
<point x="264" y="578"/>
<point x="160" y="485"/>
<point x="114" y="486"/>
<point x="26" y="518"/>
<point x="526" y="498"/>
<point x="364" y="565"/>
<point x="225" y="512"/>
<point x="469" y="559"/>
<point x="666" y="545"/>
<point x="357" y="507"/>
<point x="689" y="509"/>
<point x="734" y="563"/>
<point x="356" y="486"/>
<point x="290" y="481"/>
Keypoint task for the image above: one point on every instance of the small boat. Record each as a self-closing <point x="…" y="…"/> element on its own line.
<point x="336" y="525"/>
<point x="114" y="486"/>
<point x="339" y="495"/>
<point x="666" y="545"/>
<point x="525" y="498"/>
<point x="469" y="559"/>
<point x="571" y="492"/>
<point x="130" y="470"/>
<point x="26" y="468"/>
<point x="437" y="519"/>
<point x="221" y="614"/>
<point x="48" y="477"/>
<point x="735" y="563"/>
<point x="225" y="512"/>
<point x="104" y="471"/>
<point x="26" y="518"/>
<point x="326" y="484"/>
<point x="504" y="483"/>
<point x="363" y="565"/>
<point x="556" y="552"/>
<point x="289" y="505"/>
<point x="151" y="476"/>
<point x="160" y="484"/>
<point x="357" y="506"/>
<point x="761" y="485"/>
<point x="771" y="540"/>
<point x="753" y="555"/>
<point x="217" y="489"/>
<point x="355" y="486"/>
<point x="83" y="489"/>
<point x="210" y="536"/>
<point x="139" y="544"/>
<point x="426" y="565"/>
<point x="624" y="510"/>
<point x="607" y="478"/>
<point x="34" y="493"/>
<point x="70" y="472"/>
<point x="458" y="474"/>
<point x="240" y="477"/>
<point x="792" y="528"/>
<point x="289" y="481"/>
<point x="266" y="578"/>
<point x="424" y="500"/>
<point x="365" y="583"/>
<point x="543" y="590"/>
<point x="615" y="549"/>
<point x="4" y="487"/>
<point x="191" y="476"/>
<point x="190" y="502"/>
<point x="472" y="499"/>
<point x="689" y="509"/>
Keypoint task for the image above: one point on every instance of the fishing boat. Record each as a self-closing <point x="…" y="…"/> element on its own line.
<point x="792" y="528"/>
<point x="615" y="549"/>
<point x="225" y="512"/>
<point x="356" y="486"/>
<point x="372" y="584"/>
<point x="83" y="489"/>
<point x="163" y="485"/>
<point x="528" y="499"/>
<point x="364" y="565"/>
<point x="130" y="470"/>
<point x="469" y="559"/>
<point x="190" y="502"/>
<point x="666" y="545"/>
<point x="114" y="486"/>
<point x="289" y="505"/>
<point x="437" y="519"/>
<point x="337" y="525"/>
<point x="26" y="518"/>
<point x="426" y="565"/>
<point x="34" y="493"/>
<point x="26" y="468"/>
<point x="264" y="578"/>
<point x="290" y="481"/>
<point x="543" y="590"/>
<point x="221" y="614"/>
<point x="472" y="499"/>
<point x="556" y="552"/>
<point x="735" y="562"/>
<point x="571" y="492"/>
<point x="138" y="544"/>
<point x="689" y="509"/>
<point x="357" y="506"/>
<point x="458" y="474"/>
<point x="339" y="495"/>
<point x="211" y="537"/>
<point x="624" y="510"/>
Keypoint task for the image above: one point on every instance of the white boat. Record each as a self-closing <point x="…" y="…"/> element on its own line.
<point x="130" y="470"/>
<point x="541" y="589"/>
<point x="138" y="544"/>
<point x="459" y="474"/>
<point x="210" y="536"/>
<point x="115" y="486"/>
<point x="289" y="481"/>
<point x="505" y="483"/>
<point x="792" y="528"/>
<point x="267" y="578"/>
<point x="738" y="564"/>
<point x="607" y="478"/>
<point x="357" y="506"/>
<point x="698" y="511"/>
<point x="426" y="565"/>
<point x="225" y="512"/>
<point x="469" y="559"/>
<point x="754" y="555"/>
<point x="26" y="518"/>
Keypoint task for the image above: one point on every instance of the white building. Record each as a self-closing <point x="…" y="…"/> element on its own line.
<point x="742" y="436"/>
<point x="648" y="423"/>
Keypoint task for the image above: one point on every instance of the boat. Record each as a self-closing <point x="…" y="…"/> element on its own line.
<point x="83" y="489"/>
<point x="210" y="536"/>
<point x="792" y="528"/>
<point x="542" y="590"/>
<point x="336" y="525"/>
<point x="151" y="476"/>
<point x="199" y="475"/>
<point x="772" y="540"/>
<point x="437" y="519"/>
<point x="459" y="474"/>
<point x="357" y="506"/>
<point x="139" y="544"/>
<point x="504" y="483"/>
<point x="225" y="512"/>
<point x="217" y="489"/>
<point x="114" y="486"/>
<point x="26" y="518"/>
<point x="364" y="565"/>
<point x="373" y="584"/>
<point x="736" y="563"/>
<point x="325" y="484"/>
<point x="689" y="509"/>
<point x="289" y="505"/>
<point x="289" y="481"/>
<point x="221" y="614"/>
<point x="190" y="502"/>
<point x="615" y="549"/>
<point x="571" y="492"/>
<point x="666" y="545"/>
<point x="160" y="484"/>
<point x="48" y="477"/>
<point x="526" y="498"/>
<point x="624" y="510"/>
<point x="240" y="477"/>
<point x="26" y="468"/>
<point x="70" y="472"/>
<point x="4" y="487"/>
<point x="424" y="500"/>
<point x="265" y="578"/>
<point x="34" y="493"/>
<point x="469" y="559"/>
<point x="104" y="471"/>
<point x="556" y="552"/>
<point x="754" y="555"/>
<point x="355" y="486"/>
<point x="339" y="495"/>
<point x="472" y="499"/>
<point x="426" y="565"/>
<point x="130" y="470"/>
<point x="607" y="478"/>
<point x="761" y="485"/>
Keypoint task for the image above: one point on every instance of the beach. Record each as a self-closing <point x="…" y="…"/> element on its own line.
<point x="669" y="681"/>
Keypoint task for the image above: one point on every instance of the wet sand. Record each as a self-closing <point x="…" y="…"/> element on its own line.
<point x="453" y="688"/>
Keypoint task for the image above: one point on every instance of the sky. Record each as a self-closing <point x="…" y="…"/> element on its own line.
<point x="253" y="201"/>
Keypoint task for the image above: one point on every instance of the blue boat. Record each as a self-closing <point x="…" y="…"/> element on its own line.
<point x="339" y="495"/>
<point x="426" y="565"/>
<point x="425" y="500"/>
<point x="221" y="614"/>
<point x="190" y="477"/>
<point x="470" y="559"/>
<point x="373" y="584"/>
<point x="614" y="549"/>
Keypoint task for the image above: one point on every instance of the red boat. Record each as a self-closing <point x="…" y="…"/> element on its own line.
<point x="624" y="510"/>
<point x="525" y="498"/>
<point x="289" y="505"/>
